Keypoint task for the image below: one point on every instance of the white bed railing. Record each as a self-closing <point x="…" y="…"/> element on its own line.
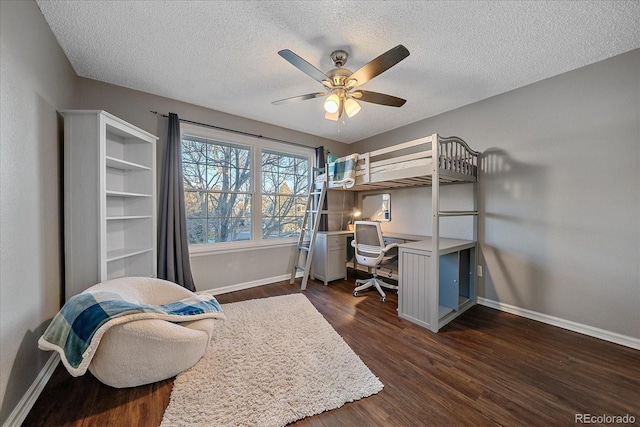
<point x="457" y="156"/>
<point x="410" y="163"/>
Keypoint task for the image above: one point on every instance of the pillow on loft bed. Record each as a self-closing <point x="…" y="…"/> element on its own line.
<point x="342" y="172"/>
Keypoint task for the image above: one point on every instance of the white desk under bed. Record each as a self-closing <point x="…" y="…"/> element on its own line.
<point x="333" y="254"/>
<point x="455" y="292"/>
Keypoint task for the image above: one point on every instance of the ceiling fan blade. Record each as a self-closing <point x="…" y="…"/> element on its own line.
<point x="378" y="98"/>
<point x="299" y="98"/>
<point x="303" y="65"/>
<point x="379" y="65"/>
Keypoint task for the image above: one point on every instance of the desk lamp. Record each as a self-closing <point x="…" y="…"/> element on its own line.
<point x="355" y="214"/>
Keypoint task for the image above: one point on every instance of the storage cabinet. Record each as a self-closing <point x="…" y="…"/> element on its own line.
<point x="329" y="256"/>
<point x="431" y="304"/>
<point x="109" y="199"/>
<point x="456" y="280"/>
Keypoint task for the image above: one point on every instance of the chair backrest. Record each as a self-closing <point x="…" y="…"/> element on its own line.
<point x="367" y="236"/>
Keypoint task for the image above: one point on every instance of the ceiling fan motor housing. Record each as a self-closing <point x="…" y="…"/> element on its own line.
<point x="339" y="57"/>
<point x="339" y="76"/>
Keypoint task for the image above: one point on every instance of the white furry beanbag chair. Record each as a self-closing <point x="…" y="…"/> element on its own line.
<point x="150" y="330"/>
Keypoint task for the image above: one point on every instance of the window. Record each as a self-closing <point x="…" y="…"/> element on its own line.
<point x="217" y="183"/>
<point x="242" y="191"/>
<point x="285" y="185"/>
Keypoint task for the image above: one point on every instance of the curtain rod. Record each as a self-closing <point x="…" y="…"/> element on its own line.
<point x="235" y="131"/>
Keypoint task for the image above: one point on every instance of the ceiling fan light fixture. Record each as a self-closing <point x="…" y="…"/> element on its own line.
<point x="332" y="116"/>
<point x="351" y="107"/>
<point x="332" y="104"/>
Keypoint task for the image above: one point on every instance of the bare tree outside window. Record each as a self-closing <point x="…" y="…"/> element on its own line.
<point x="219" y="197"/>
<point x="285" y="184"/>
<point x="217" y="183"/>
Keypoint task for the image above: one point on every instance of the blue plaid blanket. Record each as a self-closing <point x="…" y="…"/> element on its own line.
<point x="343" y="171"/>
<point x="77" y="328"/>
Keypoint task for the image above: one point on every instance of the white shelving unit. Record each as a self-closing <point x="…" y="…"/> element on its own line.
<point x="110" y="199"/>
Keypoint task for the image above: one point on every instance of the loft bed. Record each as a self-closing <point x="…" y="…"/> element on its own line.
<point x="403" y="165"/>
<point x="433" y="160"/>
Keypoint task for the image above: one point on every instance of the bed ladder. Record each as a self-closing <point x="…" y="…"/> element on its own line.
<point x="308" y="233"/>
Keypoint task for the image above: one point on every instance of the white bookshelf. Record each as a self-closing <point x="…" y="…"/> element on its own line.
<point x="110" y="199"/>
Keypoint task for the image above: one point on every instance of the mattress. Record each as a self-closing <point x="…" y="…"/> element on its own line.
<point x="418" y="164"/>
<point x="400" y="170"/>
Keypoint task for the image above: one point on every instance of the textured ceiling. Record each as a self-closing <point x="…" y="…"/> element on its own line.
<point x="223" y="54"/>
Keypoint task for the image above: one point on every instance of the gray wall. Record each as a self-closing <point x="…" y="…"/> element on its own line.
<point x="560" y="198"/>
<point x="133" y="106"/>
<point x="36" y="81"/>
<point x="411" y="211"/>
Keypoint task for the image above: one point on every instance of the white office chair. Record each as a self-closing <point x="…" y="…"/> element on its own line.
<point x="371" y="251"/>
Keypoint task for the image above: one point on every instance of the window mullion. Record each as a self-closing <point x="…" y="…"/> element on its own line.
<point x="257" y="193"/>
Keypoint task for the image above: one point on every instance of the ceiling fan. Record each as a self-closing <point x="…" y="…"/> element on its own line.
<point x="341" y="82"/>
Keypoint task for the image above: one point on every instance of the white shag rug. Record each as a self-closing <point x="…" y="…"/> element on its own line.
<point x="271" y="362"/>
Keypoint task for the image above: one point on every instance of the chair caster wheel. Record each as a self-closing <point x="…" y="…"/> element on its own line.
<point x="355" y="293"/>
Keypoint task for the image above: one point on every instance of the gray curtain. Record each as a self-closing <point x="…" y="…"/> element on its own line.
<point x="173" y="249"/>
<point x="320" y="163"/>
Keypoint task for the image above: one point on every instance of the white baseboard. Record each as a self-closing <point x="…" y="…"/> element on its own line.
<point x="613" y="337"/>
<point x="248" y="285"/>
<point x="20" y="412"/>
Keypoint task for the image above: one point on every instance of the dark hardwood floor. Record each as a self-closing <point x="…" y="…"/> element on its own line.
<point x="484" y="368"/>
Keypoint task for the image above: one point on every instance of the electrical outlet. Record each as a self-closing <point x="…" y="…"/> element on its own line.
<point x="479" y="271"/>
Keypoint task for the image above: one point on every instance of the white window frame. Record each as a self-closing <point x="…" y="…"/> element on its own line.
<point x="256" y="145"/>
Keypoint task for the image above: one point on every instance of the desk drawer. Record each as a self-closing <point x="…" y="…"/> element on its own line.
<point x="336" y="242"/>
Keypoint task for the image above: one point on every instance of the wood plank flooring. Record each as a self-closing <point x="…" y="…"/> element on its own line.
<point x="484" y="368"/>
